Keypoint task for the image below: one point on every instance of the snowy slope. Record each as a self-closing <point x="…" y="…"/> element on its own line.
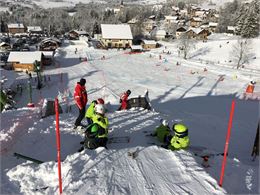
<point x="199" y="100"/>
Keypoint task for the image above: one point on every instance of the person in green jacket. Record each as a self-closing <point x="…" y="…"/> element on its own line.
<point x="3" y="100"/>
<point x="94" y="137"/>
<point x="163" y="132"/>
<point x="91" y="110"/>
<point x="180" y="140"/>
<point x="100" y="118"/>
<point x="96" y="134"/>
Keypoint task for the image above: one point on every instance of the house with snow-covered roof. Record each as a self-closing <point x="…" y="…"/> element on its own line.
<point x="24" y="61"/>
<point x="198" y="33"/>
<point x="16" y="28"/>
<point x="34" y="30"/>
<point x="195" y="22"/>
<point x="171" y="19"/>
<point x="148" y="44"/>
<point x="179" y="31"/>
<point x="116" y="35"/>
<point x="75" y="34"/>
<point x="231" y="29"/>
<point x="149" y="24"/>
<point x="213" y="26"/>
<point x="158" y="34"/>
<point x="4" y="46"/>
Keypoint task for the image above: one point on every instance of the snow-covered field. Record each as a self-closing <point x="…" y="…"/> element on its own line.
<point x="200" y="100"/>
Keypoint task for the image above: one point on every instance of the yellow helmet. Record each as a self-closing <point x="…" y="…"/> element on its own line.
<point x="180" y="130"/>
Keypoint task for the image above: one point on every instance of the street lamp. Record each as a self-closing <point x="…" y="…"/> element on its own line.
<point x="37" y="69"/>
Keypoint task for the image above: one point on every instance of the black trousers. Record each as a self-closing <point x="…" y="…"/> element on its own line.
<point x="80" y="117"/>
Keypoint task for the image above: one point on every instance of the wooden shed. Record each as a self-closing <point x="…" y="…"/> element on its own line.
<point x="24" y="61"/>
<point x="148" y="44"/>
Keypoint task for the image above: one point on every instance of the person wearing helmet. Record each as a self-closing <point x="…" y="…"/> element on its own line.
<point x="180" y="140"/>
<point x="94" y="137"/>
<point x="81" y="99"/>
<point x="123" y="100"/>
<point x="99" y="117"/>
<point x="91" y="109"/>
<point x="163" y="132"/>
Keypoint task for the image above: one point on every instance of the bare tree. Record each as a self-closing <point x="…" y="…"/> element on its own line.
<point x="186" y="45"/>
<point x="241" y="51"/>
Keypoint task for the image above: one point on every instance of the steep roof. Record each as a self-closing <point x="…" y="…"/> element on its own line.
<point x="27" y="57"/>
<point x="34" y="28"/>
<point x="116" y="31"/>
<point x="17" y="25"/>
<point x="149" y="42"/>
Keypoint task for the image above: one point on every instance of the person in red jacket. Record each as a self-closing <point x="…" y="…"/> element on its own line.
<point x="123" y="100"/>
<point x="81" y="99"/>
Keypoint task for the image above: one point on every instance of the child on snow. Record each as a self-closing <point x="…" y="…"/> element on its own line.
<point x="180" y="139"/>
<point x="163" y="132"/>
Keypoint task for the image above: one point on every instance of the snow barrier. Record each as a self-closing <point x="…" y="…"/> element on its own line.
<point x="138" y="102"/>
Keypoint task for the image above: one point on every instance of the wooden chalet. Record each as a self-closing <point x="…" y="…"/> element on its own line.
<point x="16" y="28"/>
<point x="50" y="44"/>
<point x="195" y="22"/>
<point x="24" y="61"/>
<point x="198" y="33"/>
<point x="148" y="44"/>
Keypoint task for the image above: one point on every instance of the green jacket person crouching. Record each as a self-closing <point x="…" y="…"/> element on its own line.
<point x="95" y="136"/>
<point x="163" y="132"/>
<point x="180" y="140"/>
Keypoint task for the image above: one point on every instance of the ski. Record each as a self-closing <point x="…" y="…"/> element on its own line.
<point x="208" y="155"/>
<point x="120" y="139"/>
<point x="28" y="158"/>
<point x="41" y="189"/>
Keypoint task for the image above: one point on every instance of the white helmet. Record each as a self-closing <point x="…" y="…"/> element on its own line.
<point x="100" y="109"/>
<point x="165" y="123"/>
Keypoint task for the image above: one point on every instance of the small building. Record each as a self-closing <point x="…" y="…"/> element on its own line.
<point x="50" y="44"/>
<point x="24" y="61"/>
<point x="16" y="28"/>
<point x="48" y="58"/>
<point x="136" y="48"/>
<point x="180" y="31"/>
<point x="148" y="44"/>
<point x="158" y="34"/>
<point x="214" y="18"/>
<point x="195" y="22"/>
<point x="170" y="19"/>
<point x="149" y="25"/>
<point x="198" y="33"/>
<point x="116" y="35"/>
<point x="34" y="30"/>
<point x="231" y="29"/>
<point x="75" y="34"/>
<point x="213" y="26"/>
<point x="5" y="46"/>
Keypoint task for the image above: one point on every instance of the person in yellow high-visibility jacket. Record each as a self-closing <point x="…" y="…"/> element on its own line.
<point x="91" y="110"/>
<point x="180" y="140"/>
